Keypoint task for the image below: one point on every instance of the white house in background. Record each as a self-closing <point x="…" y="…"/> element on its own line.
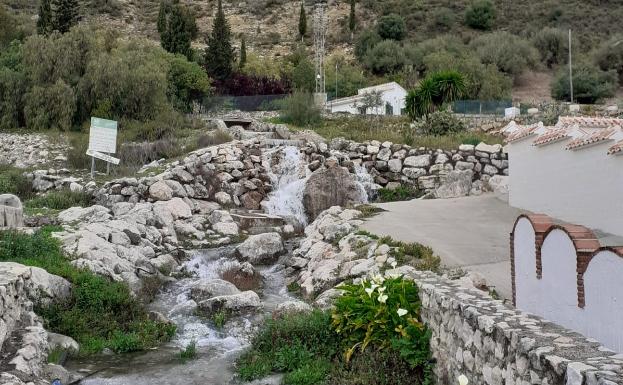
<point x="392" y="95"/>
<point x="572" y="171"/>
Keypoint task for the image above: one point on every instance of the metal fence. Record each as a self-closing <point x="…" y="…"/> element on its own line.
<point x="242" y="103"/>
<point x="481" y="107"/>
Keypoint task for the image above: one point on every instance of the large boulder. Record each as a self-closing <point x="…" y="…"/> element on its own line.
<point x="261" y="249"/>
<point x="457" y="184"/>
<point x="11" y="213"/>
<point x="207" y="288"/>
<point x="235" y="304"/>
<point x="328" y="187"/>
<point x="160" y="191"/>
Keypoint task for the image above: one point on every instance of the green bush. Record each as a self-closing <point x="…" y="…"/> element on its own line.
<point x="187" y="83"/>
<point x="50" y="106"/>
<point x="553" y="45"/>
<point x="99" y="313"/>
<point x="401" y="193"/>
<point x="609" y="55"/>
<point x="480" y="15"/>
<point x="590" y="84"/>
<point x="382" y="314"/>
<point x="304" y="76"/>
<point x="385" y="57"/>
<point x="60" y="200"/>
<point x="443" y="18"/>
<point x="365" y="42"/>
<point x="440" y="123"/>
<point x="509" y="53"/>
<point x="12" y="89"/>
<point x="189" y="352"/>
<point x="300" y="109"/>
<point x="291" y="343"/>
<point x="392" y="27"/>
<point x="434" y="92"/>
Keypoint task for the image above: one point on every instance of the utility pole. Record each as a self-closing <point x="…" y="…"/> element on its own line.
<point x="336" y="94"/>
<point x="570" y="69"/>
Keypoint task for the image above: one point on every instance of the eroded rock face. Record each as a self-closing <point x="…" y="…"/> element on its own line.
<point x="11" y="213"/>
<point x="261" y="249"/>
<point x="333" y="186"/>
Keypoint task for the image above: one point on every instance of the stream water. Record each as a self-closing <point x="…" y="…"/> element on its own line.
<point x="216" y="349"/>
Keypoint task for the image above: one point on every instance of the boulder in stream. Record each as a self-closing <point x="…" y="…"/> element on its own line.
<point x="236" y="304"/>
<point x="327" y="187"/>
<point x="261" y="249"/>
<point x="207" y="288"/>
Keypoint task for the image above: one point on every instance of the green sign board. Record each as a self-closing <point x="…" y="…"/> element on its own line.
<point x="103" y="123"/>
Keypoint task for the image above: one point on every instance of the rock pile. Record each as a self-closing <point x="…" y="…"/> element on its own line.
<point x="31" y="150"/>
<point x="54" y="179"/>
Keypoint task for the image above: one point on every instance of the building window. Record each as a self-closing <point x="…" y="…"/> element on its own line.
<point x="389" y="109"/>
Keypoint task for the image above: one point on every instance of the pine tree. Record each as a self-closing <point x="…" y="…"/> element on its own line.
<point x="352" y="20"/>
<point x="65" y="14"/>
<point x="243" y="53"/>
<point x="44" y="23"/>
<point x="302" y="22"/>
<point x="219" y="54"/>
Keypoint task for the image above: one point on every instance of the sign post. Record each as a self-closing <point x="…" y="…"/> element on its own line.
<point x="102" y="139"/>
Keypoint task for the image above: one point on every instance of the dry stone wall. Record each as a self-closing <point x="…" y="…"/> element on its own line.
<point x="494" y="344"/>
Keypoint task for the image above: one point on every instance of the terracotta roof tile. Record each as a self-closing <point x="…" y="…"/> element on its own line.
<point x="616" y="149"/>
<point x="551" y="136"/>
<point x="592" y="138"/>
<point x="588" y="122"/>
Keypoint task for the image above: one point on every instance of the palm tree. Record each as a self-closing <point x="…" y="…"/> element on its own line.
<point x="434" y="92"/>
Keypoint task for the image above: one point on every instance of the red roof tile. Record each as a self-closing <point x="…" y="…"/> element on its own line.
<point x="588" y="122"/>
<point x="523" y="132"/>
<point x="616" y="149"/>
<point x="551" y="136"/>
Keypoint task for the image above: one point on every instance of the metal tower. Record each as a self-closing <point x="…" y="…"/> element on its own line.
<point x="320" y="35"/>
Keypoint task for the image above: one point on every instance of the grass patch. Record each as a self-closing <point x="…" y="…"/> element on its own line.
<point x="396" y="130"/>
<point x="368" y="211"/>
<point x="189" y="352"/>
<point x="59" y="200"/>
<point x="214" y="138"/>
<point x="401" y="193"/>
<point x="219" y="318"/>
<point x="99" y="313"/>
<point x="294" y="287"/>
<point x="55" y="356"/>
<point x="12" y="181"/>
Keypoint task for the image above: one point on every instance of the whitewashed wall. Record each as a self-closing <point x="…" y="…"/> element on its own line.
<point x="582" y="186"/>
<point x="395" y="96"/>
<point x="555" y="296"/>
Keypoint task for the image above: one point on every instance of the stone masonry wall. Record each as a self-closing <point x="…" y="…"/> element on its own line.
<point x="494" y="344"/>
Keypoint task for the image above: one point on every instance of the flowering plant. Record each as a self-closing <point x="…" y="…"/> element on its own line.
<point x="383" y="313"/>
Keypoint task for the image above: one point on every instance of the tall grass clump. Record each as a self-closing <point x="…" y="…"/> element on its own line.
<point x="300" y="109"/>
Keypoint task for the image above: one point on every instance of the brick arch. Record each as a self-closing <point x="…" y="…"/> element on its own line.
<point x="583" y="267"/>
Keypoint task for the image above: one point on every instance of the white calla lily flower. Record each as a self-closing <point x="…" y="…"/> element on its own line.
<point x="383" y="298"/>
<point x="401" y="312"/>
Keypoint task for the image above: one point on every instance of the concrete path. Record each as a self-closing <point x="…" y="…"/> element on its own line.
<point x="471" y="233"/>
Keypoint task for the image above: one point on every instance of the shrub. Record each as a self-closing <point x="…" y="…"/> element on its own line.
<point x="510" y="53"/>
<point x="440" y="123"/>
<point x="365" y="42"/>
<point x="300" y="109"/>
<point x="392" y="27"/>
<point x="60" y="200"/>
<point x="13" y="181"/>
<point x="401" y="193"/>
<point x="590" y="84"/>
<point x="609" y="56"/>
<point x="433" y="92"/>
<point x="443" y="18"/>
<point x="553" y="45"/>
<point x="304" y="76"/>
<point x="187" y="83"/>
<point x="99" y="313"/>
<point x="480" y="15"/>
<point x="189" y="352"/>
<point x="385" y="57"/>
<point x="382" y="314"/>
<point x="51" y="106"/>
<point x="12" y="90"/>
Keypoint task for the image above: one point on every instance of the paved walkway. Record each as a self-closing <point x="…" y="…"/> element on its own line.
<point x="471" y="233"/>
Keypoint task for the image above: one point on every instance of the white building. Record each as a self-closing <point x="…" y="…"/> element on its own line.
<point x="572" y="171"/>
<point x="392" y="94"/>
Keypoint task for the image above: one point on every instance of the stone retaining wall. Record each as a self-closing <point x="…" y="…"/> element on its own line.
<point x="494" y="344"/>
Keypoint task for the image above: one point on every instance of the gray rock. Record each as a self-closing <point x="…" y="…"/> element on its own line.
<point x="333" y="186"/>
<point x="457" y="184"/>
<point x="261" y="249"/>
<point x="207" y="288"/>
<point x="418" y="161"/>
<point x="11" y="212"/>
<point x="161" y="191"/>
<point x="395" y="165"/>
<point x="235" y="304"/>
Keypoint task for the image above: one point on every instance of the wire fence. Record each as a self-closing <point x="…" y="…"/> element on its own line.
<point x="481" y="107"/>
<point x="242" y="103"/>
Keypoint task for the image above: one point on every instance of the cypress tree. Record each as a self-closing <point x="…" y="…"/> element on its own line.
<point x="219" y="54"/>
<point x="65" y="14"/>
<point x="243" y="53"/>
<point x="352" y="21"/>
<point x="302" y="22"/>
<point x="177" y="28"/>
<point x="44" y="23"/>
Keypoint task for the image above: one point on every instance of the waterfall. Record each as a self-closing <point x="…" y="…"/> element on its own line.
<point x="288" y="172"/>
<point x="365" y="182"/>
